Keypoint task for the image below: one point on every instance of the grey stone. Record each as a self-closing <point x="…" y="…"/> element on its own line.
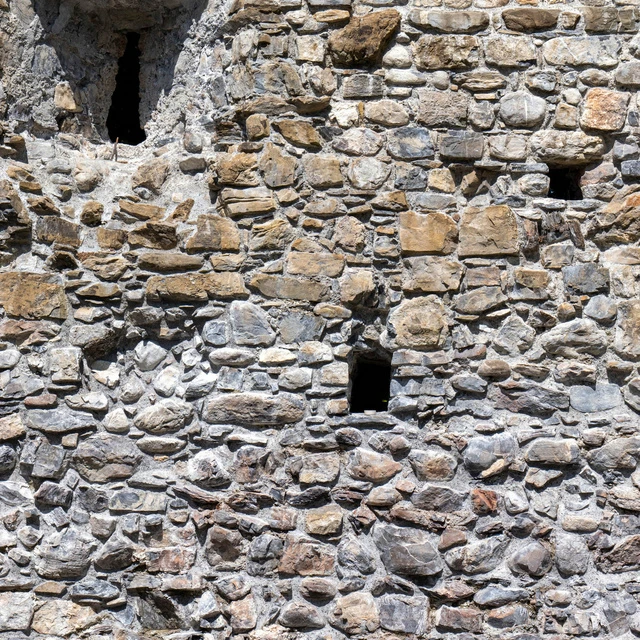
<point x="301" y="327"/>
<point x="250" y="325"/>
<point x="586" y="278"/>
<point x="403" y="614"/>
<point x="498" y="596"/>
<point x="65" y="555"/>
<point x="484" y="453"/>
<point x="59" y="421"/>
<point x="8" y="458"/>
<point x="572" y="555"/>
<point x="435" y="498"/>
<point x="167" y="416"/>
<point x="148" y="356"/>
<point x="521" y="109"/>
<point x="533" y="559"/>
<point x="206" y="470"/>
<point x="552" y="452"/>
<point x="570" y="339"/>
<point x="410" y="143"/>
<point x="591" y="399"/>
<point x="462" y="146"/>
<point x="582" y="51"/>
<point x="254" y="409"/>
<point x="16" y="611"/>
<point x="601" y="309"/>
<point x="406" y="551"/>
<point x="363" y="86"/>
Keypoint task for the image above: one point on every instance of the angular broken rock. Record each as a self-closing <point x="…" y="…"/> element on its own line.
<point x="627" y="338"/>
<point x="478" y="557"/>
<point x="430" y="233"/>
<point x="407" y="551"/>
<point x="62" y="618"/>
<point x="620" y="453"/>
<point x="364" y="39"/>
<point x="16" y="611"/>
<point x="552" y="452"/>
<point x="625" y="556"/>
<point x="307" y="558"/>
<point x="433" y="464"/>
<point x="371" y="466"/>
<point x="106" y="457"/>
<point x="65" y="555"/>
<point x="436" y="498"/>
<point x="356" y="613"/>
<point x="447" y="52"/>
<point x="196" y="287"/>
<point x="570" y="339"/>
<point x="250" y="324"/>
<point x="491" y="231"/>
<point x="566" y="147"/>
<point x="206" y="470"/>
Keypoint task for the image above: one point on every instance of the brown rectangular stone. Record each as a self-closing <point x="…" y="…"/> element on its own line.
<point x="196" y="287"/>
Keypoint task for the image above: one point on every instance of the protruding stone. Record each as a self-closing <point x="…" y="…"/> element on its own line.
<point x="254" y="409"/>
<point x="420" y="323"/>
<point x="407" y="551"/>
<point x="364" y="39"/>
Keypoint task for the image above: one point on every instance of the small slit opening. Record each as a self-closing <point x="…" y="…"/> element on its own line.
<point x="123" y="121"/>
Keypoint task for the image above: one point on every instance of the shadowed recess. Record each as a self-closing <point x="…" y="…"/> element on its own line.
<point x="371" y="381"/>
<point x="123" y="122"/>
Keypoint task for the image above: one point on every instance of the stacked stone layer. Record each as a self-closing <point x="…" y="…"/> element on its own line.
<point x="179" y="322"/>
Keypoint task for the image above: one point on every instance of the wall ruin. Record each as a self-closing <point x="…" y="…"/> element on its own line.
<point x="448" y="188"/>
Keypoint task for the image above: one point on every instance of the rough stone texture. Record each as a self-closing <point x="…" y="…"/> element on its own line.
<point x="364" y="39"/>
<point x="323" y="183"/>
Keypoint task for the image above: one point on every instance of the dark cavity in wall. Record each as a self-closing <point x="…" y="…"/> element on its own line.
<point x="123" y="122"/>
<point x="370" y="384"/>
<point x="564" y="183"/>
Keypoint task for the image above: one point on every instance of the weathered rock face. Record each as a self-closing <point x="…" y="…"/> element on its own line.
<point x="427" y="208"/>
<point x="363" y="40"/>
<point x="420" y="324"/>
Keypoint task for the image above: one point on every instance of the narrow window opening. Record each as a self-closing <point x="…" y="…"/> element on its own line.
<point x="564" y="183"/>
<point x="123" y="122"/>
<point x="370" y="384"/>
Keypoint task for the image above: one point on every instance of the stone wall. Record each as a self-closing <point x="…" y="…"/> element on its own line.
<point x="179" y="321"/>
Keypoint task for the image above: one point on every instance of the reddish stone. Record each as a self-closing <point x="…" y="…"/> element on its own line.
<point x="484" y="501"/>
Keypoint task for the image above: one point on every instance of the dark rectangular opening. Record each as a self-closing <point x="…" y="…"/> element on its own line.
<point x="370" y="384"/>
<point x="564" y="183"/>
<point x="123" y="122"/>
